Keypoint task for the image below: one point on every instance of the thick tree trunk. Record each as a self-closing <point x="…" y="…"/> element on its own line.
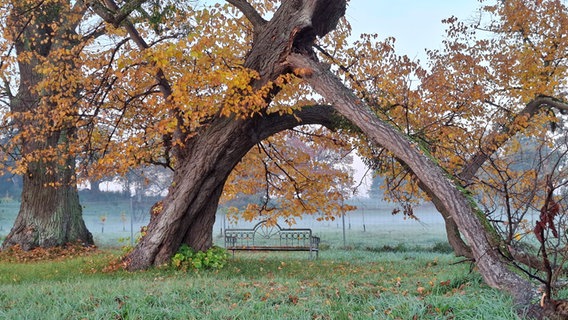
<point x="50" y="213"/>
<point x="436" y="183"/>
<point x="199" y="235"/>
<point x="188" y="212"/>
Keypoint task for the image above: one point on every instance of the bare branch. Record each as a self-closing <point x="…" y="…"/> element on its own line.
<point x="250" y="12"/>
<point x="111" y="13"/>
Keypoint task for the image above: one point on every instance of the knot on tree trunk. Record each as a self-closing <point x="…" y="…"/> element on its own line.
<point x="293" y="29"/>
<point x="324" y="18"/>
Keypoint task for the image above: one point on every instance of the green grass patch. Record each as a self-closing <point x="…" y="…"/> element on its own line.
<point x="355" y="284"/>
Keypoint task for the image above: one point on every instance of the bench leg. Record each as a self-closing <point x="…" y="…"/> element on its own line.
<point x="312" y="254"/>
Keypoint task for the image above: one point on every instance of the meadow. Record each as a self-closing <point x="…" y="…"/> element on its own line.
<point x="390" y="269"/>
<point x="342" y="284"/>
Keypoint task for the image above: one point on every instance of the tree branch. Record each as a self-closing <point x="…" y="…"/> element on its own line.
<point x="141" y="43"/>
<point x="111" y="13"/>
<point x="317" y="114"/>
<point x="495" y="139"/>
<point x="250" y="13"/>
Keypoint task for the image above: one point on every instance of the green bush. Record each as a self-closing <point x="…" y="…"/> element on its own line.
<point x="187" y="259"/>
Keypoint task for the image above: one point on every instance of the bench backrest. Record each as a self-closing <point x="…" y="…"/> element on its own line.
<point x="266" y="234"/>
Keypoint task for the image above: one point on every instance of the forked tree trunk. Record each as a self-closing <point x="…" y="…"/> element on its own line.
<point x="207" y="158"/>
<point x="210" y="156"/>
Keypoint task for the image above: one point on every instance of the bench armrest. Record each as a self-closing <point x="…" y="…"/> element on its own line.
<point x="230" y="241"/>
<point x="314" y="241"/>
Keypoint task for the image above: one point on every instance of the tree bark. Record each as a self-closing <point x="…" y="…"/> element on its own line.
<point x="436" y="183"/>
<point x="50" y="213"/>
<point x="453" y="234"/>
<point x="199" y="235"/>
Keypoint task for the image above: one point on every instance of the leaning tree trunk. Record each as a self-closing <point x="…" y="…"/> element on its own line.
<point x="437" y="184"/>
<point x="208" y="157"/>
<point x="188" y="211"/>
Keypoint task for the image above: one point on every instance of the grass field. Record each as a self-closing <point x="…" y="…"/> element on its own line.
<point x="342" y="284"/>
<point x="384" y="268"/>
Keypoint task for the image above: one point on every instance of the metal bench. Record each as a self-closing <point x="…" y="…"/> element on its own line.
<point x="265" y="236"/>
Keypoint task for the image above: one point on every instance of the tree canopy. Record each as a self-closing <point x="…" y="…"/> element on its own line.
<point x="112" y="86"/>
<point x="214" y="92"/>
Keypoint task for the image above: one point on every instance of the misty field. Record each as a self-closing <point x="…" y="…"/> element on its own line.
<point x="114" y="222"/>
<point x="387" y="268"/>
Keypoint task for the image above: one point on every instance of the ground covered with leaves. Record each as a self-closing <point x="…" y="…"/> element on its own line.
<point x="356" y="284"/>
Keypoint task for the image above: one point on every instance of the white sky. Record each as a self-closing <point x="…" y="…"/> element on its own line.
<point x="415" y="24"/>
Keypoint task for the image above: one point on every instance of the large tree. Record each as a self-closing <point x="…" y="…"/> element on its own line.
<point x="45" y="47"/>
<point x="192" y="99"/>
<point x="203" y="123"/>
<point x="54" y="64"/>
<point x="283" y="45"/>
<point x="209" y="154"/>
<point x="287" y="36"/>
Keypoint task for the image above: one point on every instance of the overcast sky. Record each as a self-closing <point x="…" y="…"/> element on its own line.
<point x="416" y="24"/>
